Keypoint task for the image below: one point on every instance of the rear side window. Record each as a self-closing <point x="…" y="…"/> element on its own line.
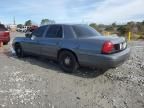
<point x="54" y="31"/>
<point x="39" y="31"/>
<point x="83" y="31"/>
<point x="2" y="28"/>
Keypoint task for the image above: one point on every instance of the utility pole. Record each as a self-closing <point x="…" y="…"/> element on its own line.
<point x="14" y="20"/>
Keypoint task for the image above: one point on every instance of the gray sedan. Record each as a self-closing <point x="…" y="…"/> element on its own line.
<point x="73" y="45"/>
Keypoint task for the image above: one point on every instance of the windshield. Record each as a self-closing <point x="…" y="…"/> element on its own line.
<point x="83" y="31"/>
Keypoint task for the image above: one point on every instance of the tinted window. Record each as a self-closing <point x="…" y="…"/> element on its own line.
<point x="54" y="31"/>
<point x="39" y="31"/>
<point x="2" y="27"/>
<point x="84" y="31"/>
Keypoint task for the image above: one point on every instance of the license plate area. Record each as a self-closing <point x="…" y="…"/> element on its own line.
<point x="120" y="46"/>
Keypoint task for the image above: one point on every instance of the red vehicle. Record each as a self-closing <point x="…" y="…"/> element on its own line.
<point x="30" y="30"/>
<point x="4" y="34"/>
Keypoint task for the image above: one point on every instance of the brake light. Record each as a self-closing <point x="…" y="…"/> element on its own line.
<point x="6" y="33"/>
<point x="107" y="47"/>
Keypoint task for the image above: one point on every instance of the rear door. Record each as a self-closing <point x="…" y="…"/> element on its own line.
<point x="31" y="45"/>
<point x="51" y="40"/>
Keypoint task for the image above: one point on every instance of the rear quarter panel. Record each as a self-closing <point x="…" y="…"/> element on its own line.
<point x="89" y="46"/>
<point x="70" y="44"/>
<point x="86" y="48"/>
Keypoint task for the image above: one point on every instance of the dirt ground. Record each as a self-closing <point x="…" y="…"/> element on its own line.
<point x="39" y="83"/>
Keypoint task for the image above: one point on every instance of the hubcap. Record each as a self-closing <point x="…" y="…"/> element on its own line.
<point x="18" y="50"/>
<point x="67" y="61"/>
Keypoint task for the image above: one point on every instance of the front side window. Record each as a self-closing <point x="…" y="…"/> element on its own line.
<point x="39" y="31"/>
<point x="54" y="31"/>
<point x="83" y="31"/>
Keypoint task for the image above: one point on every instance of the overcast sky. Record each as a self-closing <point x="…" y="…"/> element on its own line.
<point x="72" y="11"/>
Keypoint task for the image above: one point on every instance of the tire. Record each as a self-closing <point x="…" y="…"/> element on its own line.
<point x="19" y="51"/>
<point x="68" y="61"/>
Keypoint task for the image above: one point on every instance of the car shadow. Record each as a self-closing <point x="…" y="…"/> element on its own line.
<point x="84" y="72"/>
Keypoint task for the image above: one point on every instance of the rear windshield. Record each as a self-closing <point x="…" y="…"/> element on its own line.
<point x="83" y="31"/>
<point x="2" y="28"/>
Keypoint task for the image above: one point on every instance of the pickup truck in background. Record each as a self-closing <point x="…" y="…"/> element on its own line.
<point x="4" y="34"/>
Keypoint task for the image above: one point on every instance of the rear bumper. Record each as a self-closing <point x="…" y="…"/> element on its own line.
<point x="105" y="61"/>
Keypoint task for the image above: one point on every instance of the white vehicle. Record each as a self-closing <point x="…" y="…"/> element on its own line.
<point x="24" y="29"/>
<point x="18" y="29"/>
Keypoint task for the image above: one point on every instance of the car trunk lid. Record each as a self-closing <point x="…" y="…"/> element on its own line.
<point x="119" y="43"/>
<point x="113" y="39"/>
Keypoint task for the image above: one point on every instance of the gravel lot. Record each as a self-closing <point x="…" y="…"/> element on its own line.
<point x="39" y="83"/>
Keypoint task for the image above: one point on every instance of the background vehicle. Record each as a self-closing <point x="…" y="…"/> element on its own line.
<point x="4" y="34"/>
<point x="73" y="46"/>
<point x="18" y="29"/>
<point x="30" y="30"/>
<point x="23" y="29"/>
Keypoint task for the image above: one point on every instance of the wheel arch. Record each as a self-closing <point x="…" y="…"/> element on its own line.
<point x="17" y="44"/>
<point x="65" y="49"/>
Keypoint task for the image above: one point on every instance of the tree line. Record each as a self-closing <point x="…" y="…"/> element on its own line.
<point x="30" y="23"/>
<point x="121" y="30"/>
<point x="136" y="28"/>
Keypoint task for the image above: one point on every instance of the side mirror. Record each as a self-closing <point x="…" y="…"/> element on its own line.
<point x="28" y="35"/>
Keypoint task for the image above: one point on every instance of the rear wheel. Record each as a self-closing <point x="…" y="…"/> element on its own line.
<point x="68" y="61"/>
<point x="19" y="51"/>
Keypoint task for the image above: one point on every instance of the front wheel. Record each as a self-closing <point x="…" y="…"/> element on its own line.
<point x="19" y="51"/>
<point x="68" y="61"/>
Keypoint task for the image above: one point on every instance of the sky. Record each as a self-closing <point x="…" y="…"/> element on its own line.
<point x="72" y="11"/>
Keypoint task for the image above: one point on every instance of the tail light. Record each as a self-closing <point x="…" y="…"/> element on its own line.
<point x="107" y="47"/>
<point x="6" y="33"/>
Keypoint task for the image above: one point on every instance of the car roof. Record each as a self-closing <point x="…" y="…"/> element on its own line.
<point x="65" y="24"/>
<point x="67" y="30"/>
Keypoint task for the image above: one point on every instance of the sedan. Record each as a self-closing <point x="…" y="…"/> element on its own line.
<point x="73" y="45"/>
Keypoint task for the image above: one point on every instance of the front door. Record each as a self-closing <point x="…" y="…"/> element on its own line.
<point x="31" y="45"/>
